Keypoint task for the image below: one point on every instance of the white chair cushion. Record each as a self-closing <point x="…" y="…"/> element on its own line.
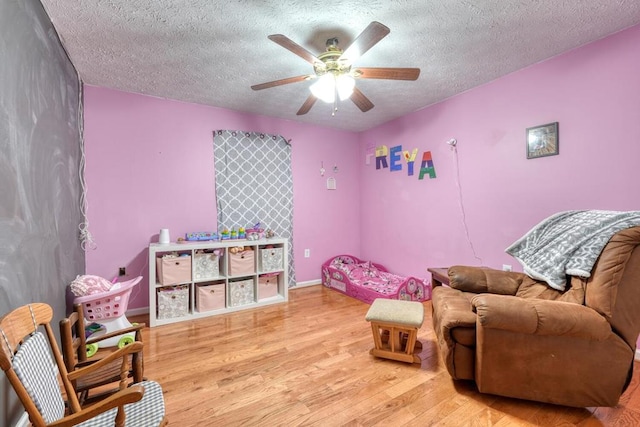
<point x="34" y="367"/>
<point x="147" y="412"/>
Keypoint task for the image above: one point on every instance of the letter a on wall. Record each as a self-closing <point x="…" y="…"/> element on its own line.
<point x="426" y="167"/>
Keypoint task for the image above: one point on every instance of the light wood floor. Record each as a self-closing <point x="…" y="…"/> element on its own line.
<point x="307" y="362"/>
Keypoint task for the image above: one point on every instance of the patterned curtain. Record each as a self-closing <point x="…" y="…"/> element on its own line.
<point x="254" y="183"/>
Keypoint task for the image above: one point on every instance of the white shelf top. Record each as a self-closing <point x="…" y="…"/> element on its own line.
<point x="204" y="244"/>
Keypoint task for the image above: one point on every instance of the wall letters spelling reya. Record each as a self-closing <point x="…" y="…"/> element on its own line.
<point x="395" y="160"/>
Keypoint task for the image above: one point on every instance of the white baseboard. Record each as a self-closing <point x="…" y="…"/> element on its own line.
<point x="307" y="283"/>
<point x="137" y="311"/>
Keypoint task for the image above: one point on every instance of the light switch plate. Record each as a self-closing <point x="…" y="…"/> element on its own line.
<point x="331" y="183"/>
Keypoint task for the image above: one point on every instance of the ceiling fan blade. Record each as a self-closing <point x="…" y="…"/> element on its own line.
<point x="361" y="101"/>
<point x="294" y="47"/>
<point x="280" y="82"/>
<point x="365" y="41"/>
<point x="388" y="73"/>
<point x="307" y="105"/>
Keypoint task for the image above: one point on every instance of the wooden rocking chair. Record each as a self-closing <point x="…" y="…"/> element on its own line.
<point x="25" y="358"/>
<point x="74" y="352"/>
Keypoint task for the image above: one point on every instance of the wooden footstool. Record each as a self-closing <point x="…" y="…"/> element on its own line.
<point x="395" y="325"/>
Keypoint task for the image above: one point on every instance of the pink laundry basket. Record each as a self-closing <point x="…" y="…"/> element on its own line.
<point x="108" y="309"/>
<point x="109" y="304"/>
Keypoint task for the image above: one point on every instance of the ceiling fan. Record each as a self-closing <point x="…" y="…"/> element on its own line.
<point x="335" y="72"/>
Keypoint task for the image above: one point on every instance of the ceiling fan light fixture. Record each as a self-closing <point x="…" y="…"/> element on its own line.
<point x="324" y="88"/>
<point x="345" y="84"/>
<point x="327" y="85"/>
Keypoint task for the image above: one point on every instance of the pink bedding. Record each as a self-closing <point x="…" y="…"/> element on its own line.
<point x="367" y="281"/>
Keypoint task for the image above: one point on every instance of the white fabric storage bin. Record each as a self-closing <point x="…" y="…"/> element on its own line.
<point x="206" y="266"/>
<point x="173" y="301"/>
<point x="271" y="259"/>
<point x="241" y="292"/>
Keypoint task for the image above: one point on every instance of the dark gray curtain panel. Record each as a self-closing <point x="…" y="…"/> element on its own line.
<point x="254" y="183"/>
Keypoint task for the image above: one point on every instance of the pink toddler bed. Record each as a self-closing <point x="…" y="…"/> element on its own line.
<point x="367" y="281"/>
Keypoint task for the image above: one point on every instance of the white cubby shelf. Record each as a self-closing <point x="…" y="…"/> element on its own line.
<point x="248" y="283"/>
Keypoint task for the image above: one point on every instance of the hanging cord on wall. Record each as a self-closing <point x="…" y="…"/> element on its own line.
<point x="86" y="239"/>
<point x="453" y="144"/>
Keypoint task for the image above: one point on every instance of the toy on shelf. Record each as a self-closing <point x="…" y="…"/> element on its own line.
<point x="255" y="233"/>
<point x="269" y="234"/>
<point x="242" y="233"/>
<point x="201" y="236"/>
<point x="224" y="234"/>
<point x="233" y="234"/>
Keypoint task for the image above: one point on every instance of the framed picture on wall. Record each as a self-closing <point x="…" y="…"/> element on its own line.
<point x="542" y="141"/>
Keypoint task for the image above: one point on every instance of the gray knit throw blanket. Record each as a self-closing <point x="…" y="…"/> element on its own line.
<point x="568" y="243"/>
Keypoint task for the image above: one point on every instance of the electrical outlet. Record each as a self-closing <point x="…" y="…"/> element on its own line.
<point x="122" y="271"/>
<point x="506" y="267"/>
<point x="307" y="253"/>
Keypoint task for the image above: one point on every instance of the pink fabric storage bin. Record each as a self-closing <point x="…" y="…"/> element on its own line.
<point x="241" y="263"/>
<point x="173" y="270"/>
<point x="267" y="286"/>
<point x="210" y="297"/>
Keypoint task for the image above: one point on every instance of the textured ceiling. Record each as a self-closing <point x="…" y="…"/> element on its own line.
<point x="211" y="52"/>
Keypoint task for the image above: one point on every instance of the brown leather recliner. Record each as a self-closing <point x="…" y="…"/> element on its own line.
<point x="517" y="337"/>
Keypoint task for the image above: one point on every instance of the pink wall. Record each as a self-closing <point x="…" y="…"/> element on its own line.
<point x="594" y="94"/>
<point x="150" y="166"/>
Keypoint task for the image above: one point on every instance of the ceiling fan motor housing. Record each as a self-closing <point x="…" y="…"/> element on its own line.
<point x="332" y="43"/>
<point x="331" y="61"/>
